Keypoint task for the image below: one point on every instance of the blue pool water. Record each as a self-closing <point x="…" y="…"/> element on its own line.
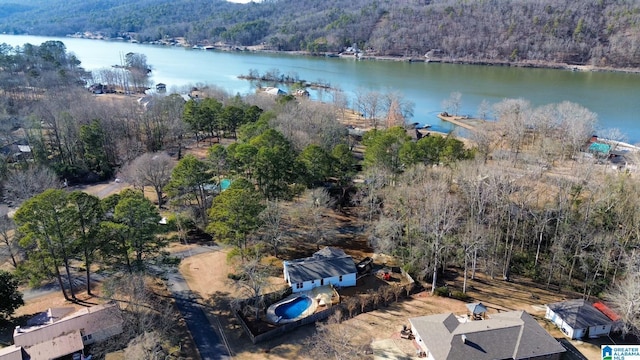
<point x="293" y="308"/>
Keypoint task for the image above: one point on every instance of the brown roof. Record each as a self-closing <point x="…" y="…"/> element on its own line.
<point x="509" y="335"/>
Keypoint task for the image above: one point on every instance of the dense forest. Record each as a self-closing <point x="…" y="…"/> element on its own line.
<point x="602" y="33"/>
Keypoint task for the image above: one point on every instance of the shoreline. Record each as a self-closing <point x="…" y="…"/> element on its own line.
<point x="534" y="64"/>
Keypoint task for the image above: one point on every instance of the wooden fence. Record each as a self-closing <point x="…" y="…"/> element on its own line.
<point x="284" y="328"/>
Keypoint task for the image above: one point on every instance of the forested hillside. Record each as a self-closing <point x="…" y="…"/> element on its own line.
<point x="601" y="33"/>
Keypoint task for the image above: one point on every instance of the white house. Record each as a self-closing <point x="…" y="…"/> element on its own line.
<point x="327" y="266"/>
<point x="272" y="91"/>
<point x="579" y="319"/>
<point x="507" y="335"/>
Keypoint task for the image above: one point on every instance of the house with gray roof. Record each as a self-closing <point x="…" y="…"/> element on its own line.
<point x="507" y="335"/>
<point x="324" y="267"/>
<point x="59" y="332"/>
<point x="579" y="319"/>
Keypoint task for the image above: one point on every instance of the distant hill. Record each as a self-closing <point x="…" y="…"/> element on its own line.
<point x="602" y="33"/>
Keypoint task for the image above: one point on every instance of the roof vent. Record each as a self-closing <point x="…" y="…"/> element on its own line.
<point x="464" y="339"/>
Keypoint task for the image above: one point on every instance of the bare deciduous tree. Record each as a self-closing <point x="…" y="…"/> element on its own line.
<point x="274" y="222"/>
<point x="397" y="291"/>
<point x="439" y="218"/>
<point x="22" y="184"/>
<point x="452" y="104"/>
<point x="253" y="281"/>
<point x="148" y="345"/>
<point x="150" y="169"/>
<point x="625" y="297"/>
<point x="387" y="294"/>
<point x="369" y="194"/>
<point x="144" y="312"/>
<point x="398" y="109"/>
<point x="370" y="105"/>
<point x="8" y="238"/>
<point x="337" y="340"/>
<point x="513" y="117"/>
<point x="484" y="138"/>
<point x="484" y="110"/>
<point x="351" y="304"/>
<point x="311" y="215"/>
<point x="308" y="122"/>
<point x="386" y="234"/>
<point x="578" y="123"/>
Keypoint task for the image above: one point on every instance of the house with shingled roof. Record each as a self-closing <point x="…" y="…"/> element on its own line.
<point x="507" y="335"/>
<point x="59" y="332"/>
<point x="579" y="319"/>
<point x="324" y="267"/>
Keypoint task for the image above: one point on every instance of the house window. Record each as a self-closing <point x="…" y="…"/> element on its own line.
<point x="89" y="337"/>
<point x="321" y="282"/>
<point x="299" y="286"/>
<point x="312" y="281"/>
<point x="340" y="278"/>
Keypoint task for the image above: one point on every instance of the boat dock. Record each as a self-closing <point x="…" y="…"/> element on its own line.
<point x="462" y="121"/>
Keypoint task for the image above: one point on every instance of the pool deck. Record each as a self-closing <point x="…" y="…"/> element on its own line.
<point x="319" y="296"/>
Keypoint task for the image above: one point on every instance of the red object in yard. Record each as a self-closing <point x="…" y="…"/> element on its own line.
<point x="386" y="276"/>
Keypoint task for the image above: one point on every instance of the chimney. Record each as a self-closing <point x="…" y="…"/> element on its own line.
<point x="464" y="339"/>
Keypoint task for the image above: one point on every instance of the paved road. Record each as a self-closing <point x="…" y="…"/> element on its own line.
<point x="79" y="278"/>
<point x="79" y="282"/>
<point x="207" y="340"/>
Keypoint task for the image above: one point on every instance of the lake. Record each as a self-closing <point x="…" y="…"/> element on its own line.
<point x="615" y="97"/>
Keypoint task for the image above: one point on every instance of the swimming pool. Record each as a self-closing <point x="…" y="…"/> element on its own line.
<point x="294" y="308"/>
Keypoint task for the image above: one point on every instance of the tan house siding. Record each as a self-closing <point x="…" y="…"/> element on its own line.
<point x="11" y="353"/>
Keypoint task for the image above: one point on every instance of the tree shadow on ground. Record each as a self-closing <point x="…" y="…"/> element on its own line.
<point x="197" y="236"/>
<point x="7" y="326"/>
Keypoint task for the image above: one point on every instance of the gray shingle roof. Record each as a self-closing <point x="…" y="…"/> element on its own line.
<point x="476" y="308"/>
<point x="579" y="313"/>
<point x="509" y="335"/>
<point x="326" y="263"/>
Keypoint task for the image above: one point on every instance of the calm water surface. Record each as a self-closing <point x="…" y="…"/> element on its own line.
<point x="615" y="97"/>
